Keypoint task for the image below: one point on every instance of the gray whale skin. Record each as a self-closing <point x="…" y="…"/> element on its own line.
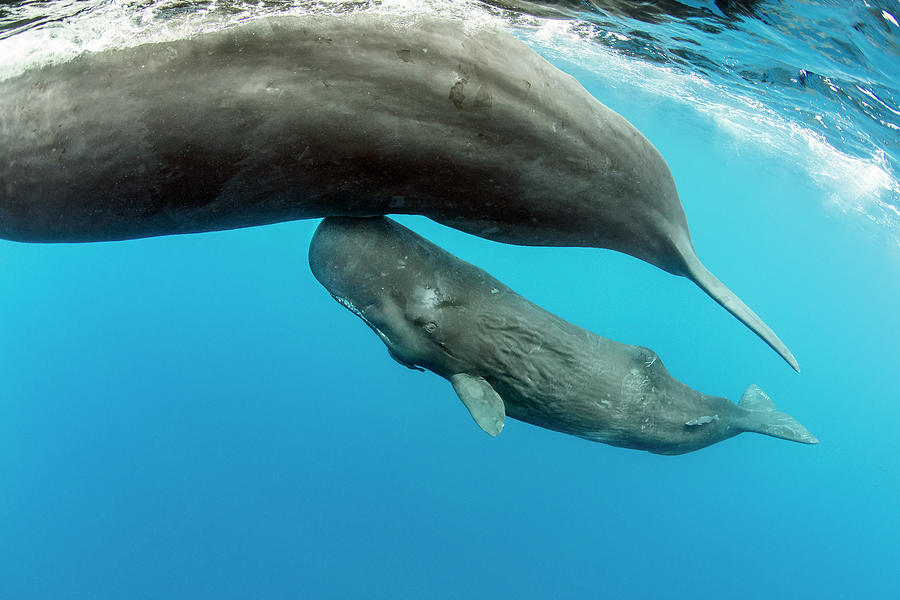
<point x="298" y="117"/>
<point x="506" y="356"/>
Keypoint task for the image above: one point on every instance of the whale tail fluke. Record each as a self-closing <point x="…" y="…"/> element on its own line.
<point x="760" y="416"/>
<point x="699" y="274"/>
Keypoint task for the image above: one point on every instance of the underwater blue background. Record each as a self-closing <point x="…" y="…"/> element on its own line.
<point x="195" y="417"/>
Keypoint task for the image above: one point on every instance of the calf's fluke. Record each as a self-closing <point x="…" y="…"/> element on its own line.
<point x="761" y="417"/>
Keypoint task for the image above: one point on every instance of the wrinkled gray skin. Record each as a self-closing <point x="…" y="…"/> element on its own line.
<point x="298" y="117"/>
<point x="507" y="356"/>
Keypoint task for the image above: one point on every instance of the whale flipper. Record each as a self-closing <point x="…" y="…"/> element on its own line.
<point x="760" y="416"/>
<point x="483" y="402"/>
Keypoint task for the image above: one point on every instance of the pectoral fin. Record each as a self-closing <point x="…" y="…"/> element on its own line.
<point x="484" y="404"/>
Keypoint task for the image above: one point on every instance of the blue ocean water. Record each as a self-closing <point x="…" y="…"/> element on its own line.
<point x="194" y="417"/>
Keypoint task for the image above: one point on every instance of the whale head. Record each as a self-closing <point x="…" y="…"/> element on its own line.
<point x="399" y="294"/>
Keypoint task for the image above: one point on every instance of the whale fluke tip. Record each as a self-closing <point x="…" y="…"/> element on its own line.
<point x="718" y="291"/>
<point x="760" y="416"/>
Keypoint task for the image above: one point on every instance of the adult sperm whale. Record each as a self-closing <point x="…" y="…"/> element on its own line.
<point x="290" y="118"/>
<point x="506" y="356"/>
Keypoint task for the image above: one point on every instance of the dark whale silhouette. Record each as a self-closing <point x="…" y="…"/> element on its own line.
<point x="291" y="118"/>
<point x="505" y="356"/>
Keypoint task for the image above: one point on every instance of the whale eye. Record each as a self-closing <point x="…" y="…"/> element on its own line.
<point x="430" y="327"/>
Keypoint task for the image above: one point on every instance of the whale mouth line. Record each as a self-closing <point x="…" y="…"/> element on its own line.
<point x="352" y="308"/>
<point x="449" y="353"/>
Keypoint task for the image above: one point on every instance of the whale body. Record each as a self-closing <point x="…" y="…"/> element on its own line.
<point x="355" y="115"/>
<point x="506" y="356"/>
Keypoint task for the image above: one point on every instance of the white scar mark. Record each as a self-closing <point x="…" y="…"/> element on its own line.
<point x="702" y="420"/>
<point x="428" y="297"/>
